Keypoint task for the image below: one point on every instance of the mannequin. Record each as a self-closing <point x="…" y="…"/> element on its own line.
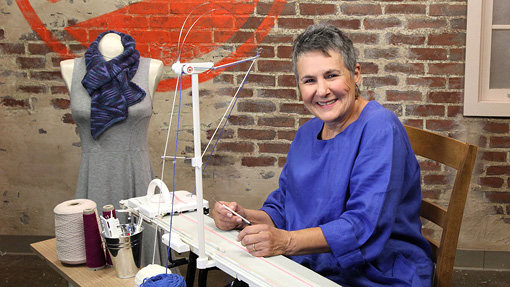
<point x="110" y="47"/>
<point x="116" y="165"/>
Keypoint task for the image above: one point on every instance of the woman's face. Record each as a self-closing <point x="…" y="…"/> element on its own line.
<point x="327" y="87"/>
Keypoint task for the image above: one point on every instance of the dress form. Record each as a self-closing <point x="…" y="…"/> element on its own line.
<point x="110" y="46"/>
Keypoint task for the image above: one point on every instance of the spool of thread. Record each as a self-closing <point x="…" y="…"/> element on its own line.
<point x="93" y="243"/>
<point x="149" y="271"/>
<point x="109" y="211"/>
<point x="69" y="235"/>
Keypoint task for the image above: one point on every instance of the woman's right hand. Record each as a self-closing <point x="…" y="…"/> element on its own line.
<point x="224" y="219"/>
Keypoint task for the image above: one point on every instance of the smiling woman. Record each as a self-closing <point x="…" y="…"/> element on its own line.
<point x="349" y="194"/>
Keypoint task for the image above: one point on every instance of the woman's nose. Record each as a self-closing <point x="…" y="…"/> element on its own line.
<point x="322" y="88"/>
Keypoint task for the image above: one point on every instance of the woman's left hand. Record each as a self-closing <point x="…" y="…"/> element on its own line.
<point x="265" y="240"/>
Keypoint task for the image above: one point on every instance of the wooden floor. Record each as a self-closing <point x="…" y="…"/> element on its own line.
<point x="31" y="270"/>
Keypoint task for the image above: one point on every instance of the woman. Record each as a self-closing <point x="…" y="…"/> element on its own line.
<point x="349" y="195"/>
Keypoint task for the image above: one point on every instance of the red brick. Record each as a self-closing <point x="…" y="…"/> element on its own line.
<point x="353" y="24"/>
<point x="375" y="82"/>
<point x="265" y="8"/>
<point x="435" y="179"/>
<point x="447" y="39"/>
<point x="498" y="170"/>
<point x="447" y="10"/>
<point x="241" y="120"/>
<point x="287" y="135"/>
<point x="381" y="23"/>
<point x="426" y="23"/>
<point x="226" y="134"/>
<point x="14" y="103"/>
<point x="498" y="197"/>
<point x="68" y="119"/>
<point x="364" y="38"/>
<point x="276" y="122"/>
<point x="428" y="165"/>
<point x="258" y="161"/>
<point x="282" y="161"/>
<point x="454" y="111"/>
<point x="399" y="39"/>
<point x="458" y="24"/>
<point x="429" y="54"/>
<point x="440" y="125"/>
<point x="399" y="96"/>
<point x="457" y="55"/>
<point x="294" y="23"/>
<point x="12" y="49"/>
<point x="274" y="148"/>
<point x="256" y="134"/>
<point x="456" y="83"/>
<point x="226" y="79"/>
<point x="495" y="156"/>
<point x="243" y="147"/>
<point x="494" y="127"/>
<point x="431" y="193"/>
<point x="2" y="34"/>
<point x="258" y="80"/>
<point x="55" y="90"/>
<point x="38" y="49"/>
<point x="46" y="76"/>
<point x="499" y="142"/>
<point x="302" y="121"/>
<point x="406" y="68"/>
<point x="369" y="68"/>
<point x="287" y="81"/>
<point x="256" y="106"/>
<point x="405" y="9"/>
<point x="272" y="66"/>
<point x="425" y="110"/>
<point x="445" y="97"/>
<point x="317" y="9"/>
<point x="32" y="89"/>
<point x="430" y="82"/>
<point x="391" y="53"/>
<point x="293" y="108"/>
<point x="31" y="62"/>
<point x="417" y="123"/>
<point x="289" y="94"/>
<point x="446" y="69"/>
<point x="361" y="9"/>
<point x="284" y="52"/>
<point x="244" y="93"/>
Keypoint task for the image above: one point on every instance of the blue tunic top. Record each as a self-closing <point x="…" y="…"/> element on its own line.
<point x="362" y="188"/>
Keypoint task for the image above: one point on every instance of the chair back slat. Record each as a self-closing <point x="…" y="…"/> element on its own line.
<point x="461" y="157"/>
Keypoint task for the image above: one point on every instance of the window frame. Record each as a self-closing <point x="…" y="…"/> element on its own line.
<point x="478" y="34"/>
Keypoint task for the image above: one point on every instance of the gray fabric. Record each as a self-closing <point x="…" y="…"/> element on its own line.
<point x="116" y="166"/>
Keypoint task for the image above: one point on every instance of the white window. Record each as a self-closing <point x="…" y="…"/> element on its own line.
<point x="487" y="75"/>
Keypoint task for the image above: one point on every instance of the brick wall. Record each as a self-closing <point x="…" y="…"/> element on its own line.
<point x="412" y="58"/>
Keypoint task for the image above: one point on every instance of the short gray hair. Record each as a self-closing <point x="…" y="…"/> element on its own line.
<point x="324" y="38"/>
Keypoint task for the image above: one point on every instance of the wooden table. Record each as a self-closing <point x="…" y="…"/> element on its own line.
<point x="78" y="275"/>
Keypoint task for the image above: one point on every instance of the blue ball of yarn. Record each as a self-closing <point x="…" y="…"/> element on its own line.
<point x="160" y="280"/>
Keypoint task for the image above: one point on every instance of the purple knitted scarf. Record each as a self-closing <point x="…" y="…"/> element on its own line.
<point x="109" y="84"/>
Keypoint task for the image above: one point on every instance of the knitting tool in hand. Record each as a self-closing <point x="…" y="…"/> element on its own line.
<point x="233" y="212"/>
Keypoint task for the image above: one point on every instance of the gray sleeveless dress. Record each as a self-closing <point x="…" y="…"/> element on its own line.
<point x="116" y="166"/>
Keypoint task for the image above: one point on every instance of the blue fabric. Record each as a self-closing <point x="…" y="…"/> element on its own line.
<point x="362" y="188"/>
<point x="109" y="84"/>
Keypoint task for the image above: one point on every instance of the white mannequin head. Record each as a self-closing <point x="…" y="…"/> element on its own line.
<point x="110" y="46"/>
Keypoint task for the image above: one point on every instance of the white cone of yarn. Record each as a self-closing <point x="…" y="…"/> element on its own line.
<point x="149" y="271"/>
<point x="69" y="232"/>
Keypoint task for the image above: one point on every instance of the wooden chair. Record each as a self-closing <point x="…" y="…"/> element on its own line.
<point x="461" y="157"/>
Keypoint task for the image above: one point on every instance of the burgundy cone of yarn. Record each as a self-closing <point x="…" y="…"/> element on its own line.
<point x="93" y="244"/>
<point x="109" y="211"/>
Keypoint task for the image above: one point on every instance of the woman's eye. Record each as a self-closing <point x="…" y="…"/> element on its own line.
<point x="331" y="76"/>
<point x="306" y="81"/>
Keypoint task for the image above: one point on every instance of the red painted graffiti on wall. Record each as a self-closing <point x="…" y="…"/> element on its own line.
<point x="161" y="28"/>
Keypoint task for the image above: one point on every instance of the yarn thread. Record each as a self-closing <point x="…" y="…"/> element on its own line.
<point x="164" y="280"/>
<point x="93" y="244"/>
<point x="148" y="271"/>
<point x="69" y="234"/>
